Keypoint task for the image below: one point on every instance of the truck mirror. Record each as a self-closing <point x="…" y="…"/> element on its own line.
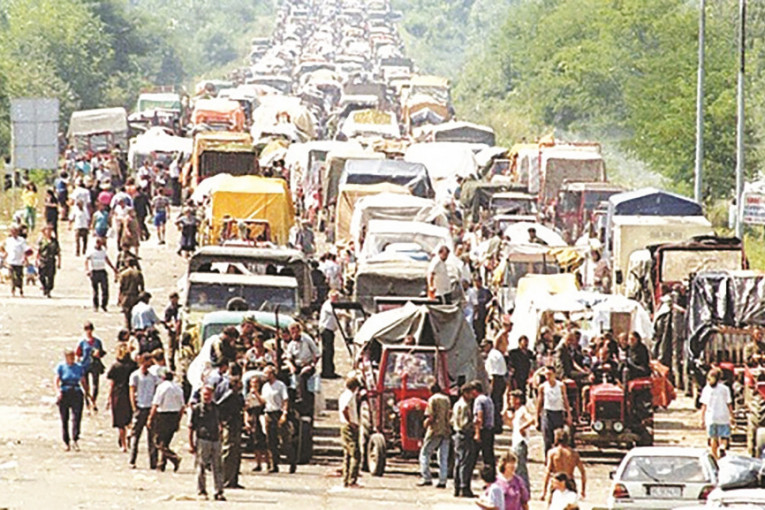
<point x="619" y="277"/>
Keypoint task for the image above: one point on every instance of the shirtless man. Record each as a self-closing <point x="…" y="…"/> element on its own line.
<point x="563" y="459"/>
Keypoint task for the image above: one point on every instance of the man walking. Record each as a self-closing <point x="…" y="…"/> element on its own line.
<point x="483" y="419"/>
<point x="496" y="370"/>
<point x="90" y="352"/>
<point x="563" y="459"/>
<point x="464" y="446"/>
<point x="142" y="387"/>
<point x="131" y="287"/>
<point x="274" y="392"/>
<point x="521" y="420"/>
<point x="520" y="360"/>
<point x="349" y="432"/>
<point x="173" y="324"/>
<point x="204" y="442"/>
<point x="96" y="262"/>
<point x="165" y="417"/>
<point x="16" y="258"/>
<point x="552" y="407"/>
<point x="436" y="437"/>
<point x="439" y="284"/>
<point x="142" y="316"/>
<point x="328" y="326"/>
<point x="231" y="413"/>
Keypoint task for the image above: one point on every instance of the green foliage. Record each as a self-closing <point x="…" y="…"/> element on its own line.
<point x="623" y="71"/>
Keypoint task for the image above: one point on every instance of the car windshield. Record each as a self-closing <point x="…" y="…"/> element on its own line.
<point x="513" y="205"/>
<point x="209" y="297"/>
<point x="419" y="367"/>
<point x="660" y="469"/>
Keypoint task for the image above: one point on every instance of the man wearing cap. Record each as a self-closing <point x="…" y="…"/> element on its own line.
<point x="439" y="284"/>
<point x="143" y="315"/>
<point x="131" y="287"/>
<point x="165" y="417"/>
<point x="328" y="327"/>
<point x="223" y="348"/>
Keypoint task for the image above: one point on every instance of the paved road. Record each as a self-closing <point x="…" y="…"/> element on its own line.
<point x="36" y="473"/>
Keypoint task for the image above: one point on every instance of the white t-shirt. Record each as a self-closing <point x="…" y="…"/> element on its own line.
<point x="520" y="416"/>
<point x="81" y="195"/>
<point x="303" y="352"/>
<point x="348" y="400"/>
<point x="81" y="217"/>
<point x="97" y="259"/>
<point x="553" y="396"/>
<point x="561" y="499"/>
<point x="15" y="247"/>
<point x="495" y="363"/>
<point x="716" y="399"/>
<point x="168" y="398"/>
<point x="274" y="394"/>
<point x="441" y="280"/>
<point x="327" y="318"/>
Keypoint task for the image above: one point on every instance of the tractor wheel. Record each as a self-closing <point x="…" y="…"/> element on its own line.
<point x="365" y="430"/>
<point x="376" y="454"/>
<point x="755" y="422"/>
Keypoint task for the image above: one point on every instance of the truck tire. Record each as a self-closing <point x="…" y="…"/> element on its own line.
<point x="376" y="454"/>
<point x="755" y="422"/>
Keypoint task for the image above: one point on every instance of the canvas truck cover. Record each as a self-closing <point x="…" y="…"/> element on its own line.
<point x="476" y="195"/>
<point x="389" y="206"/>
<point x="445" y="162"/>
<point x="347" y="197"/>
<point x="389" y="278"/>
<point x="723" y="298"/>
<point x="381" y="233"/>
<point x="217" y="110"/>
<point x="333" y="169"/>
<point x="458" y="131"/>
<point x="561" y="165"/>
<point x="271" y="107"/>
<point x="410" y="175"/>
<point x="443" y="326"/>
<point x="104" y="120"/>
<point x="252" y="197"/>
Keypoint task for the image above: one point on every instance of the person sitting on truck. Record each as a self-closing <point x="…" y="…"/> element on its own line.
<point x="565" y="366"/>
<point x="638" y="360"/>
<point x="534" y="239"/>
<point x="605" y="366"/>
<point x="754" y="351"/>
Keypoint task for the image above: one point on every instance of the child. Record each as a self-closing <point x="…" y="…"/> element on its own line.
<point x="30" y="271"/>
<point x="254" y="406"/>
<point x="493" y="497"/>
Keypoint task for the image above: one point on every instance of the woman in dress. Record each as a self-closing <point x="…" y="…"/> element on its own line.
<point x="254" y="405"/>
<point x="119" y="392"/>
<point x="51" y="209"/>
<point x="187" y="224"/>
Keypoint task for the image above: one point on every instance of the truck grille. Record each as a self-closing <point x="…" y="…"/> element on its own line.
<point x="608" y="411"/>
<point x="414" y="421"/>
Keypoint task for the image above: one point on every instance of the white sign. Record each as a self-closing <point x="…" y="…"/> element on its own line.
<point x="34" y="133"/>
<point x="753" y="211"/>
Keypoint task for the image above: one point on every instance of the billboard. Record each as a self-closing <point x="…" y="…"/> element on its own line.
<point x="753" y="207"/>
<point x="34" y="133"/>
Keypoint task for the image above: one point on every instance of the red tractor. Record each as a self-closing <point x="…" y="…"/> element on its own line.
<point x="612" y="412"/>
<point x="397" y="380"/>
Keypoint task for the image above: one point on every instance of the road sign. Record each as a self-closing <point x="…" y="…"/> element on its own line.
<point x="34" y="133"/>
<point x="753" y="211"/>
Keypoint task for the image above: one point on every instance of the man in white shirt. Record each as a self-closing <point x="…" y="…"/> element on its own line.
<point x="276" y="406"/>
<point x="553" y="411"/>
<point x="16" y="258"/>
<point x="521" y="420"/>
<point x="96" y="262"/>
<point x="143" y="315"/>
<point x="496" y="370"/>
<point x="328" y="327"/>
<point x="165" y="417"/>
<point x="302" y="355"/>
<point x="439" y="284"/>
<point x="716" y="411"/>
<point x="349" y="432"/>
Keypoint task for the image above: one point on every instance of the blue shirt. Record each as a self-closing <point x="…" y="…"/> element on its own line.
<point x="144" y="316"/>
<point x="483" y="403"/>
<point x="70" y="375"/>
<point x="101" y="221"/>
<point x="85" y="351"/>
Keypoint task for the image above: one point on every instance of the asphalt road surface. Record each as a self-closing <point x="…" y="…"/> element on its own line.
<point x="35" y="471"/>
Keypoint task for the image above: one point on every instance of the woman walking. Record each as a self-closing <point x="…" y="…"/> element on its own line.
<point x="48" y="258"/>
<point x="119" y="392"/>
<point x="70" y="380"/>
<point x="51" y="210"/>
<point x="188" y="226"/>
<point x="29" y="199"/>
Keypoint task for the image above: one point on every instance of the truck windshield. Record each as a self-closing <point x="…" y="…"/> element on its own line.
<point x="419" y="367"/>
<point x="517" y="270"/>
<point x="677" y="265"/>
<point x="211" y="297"/>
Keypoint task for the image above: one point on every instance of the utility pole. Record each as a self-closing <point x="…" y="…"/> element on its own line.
<point x="740" y="118"/>
<point x="700" y="106"/>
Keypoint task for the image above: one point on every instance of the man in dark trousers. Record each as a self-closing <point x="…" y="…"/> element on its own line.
<point x="483" y="421"/>
<point x="328" y="327"/>
<point x="131" y="287"/>
<point x="230" y="408"/>
<point x="638" y="360"/>
<point x="565" y="366"/>
<point x="521" y="363"/>
<point x="142" y="206"/>
<point x="165" y="417"/>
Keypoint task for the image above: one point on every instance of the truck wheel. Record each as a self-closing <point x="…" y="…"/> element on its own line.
<point x="376" y="454"/>
<point x="364" y="432"/>
<point x="755" y="422"/>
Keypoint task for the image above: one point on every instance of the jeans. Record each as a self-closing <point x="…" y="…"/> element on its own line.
<point x="487" y="447"/>
<point x="439" y="444"/>
<point x="100" y="283"/>
<point x="208" y="454"/>
<point x="139" y="423"/>
<point x="71" y="400"/>
<point x="81" y="241"/>
<point x="551" y="421"/>
<point x="464" y="460"/>
<point x="521" y="450"/>
<point x="327" y="353"/>
<point x="351" y="454"/>
<point x="231" y="451"/>
<point x="92" y="376"/>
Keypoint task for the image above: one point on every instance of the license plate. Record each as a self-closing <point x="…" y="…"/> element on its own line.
<point x="665" y="492"/>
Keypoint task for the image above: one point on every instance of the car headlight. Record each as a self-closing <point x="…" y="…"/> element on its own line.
<point x="618" y="427"/>
<point x="598" y="426"/>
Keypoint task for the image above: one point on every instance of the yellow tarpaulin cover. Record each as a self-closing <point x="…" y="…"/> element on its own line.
<point x="347" y="197"/>
<point x="251" y="197"/>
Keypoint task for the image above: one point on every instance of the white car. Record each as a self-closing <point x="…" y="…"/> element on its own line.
<point x="737" y="499"/>
<point x="658" y="477"/>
